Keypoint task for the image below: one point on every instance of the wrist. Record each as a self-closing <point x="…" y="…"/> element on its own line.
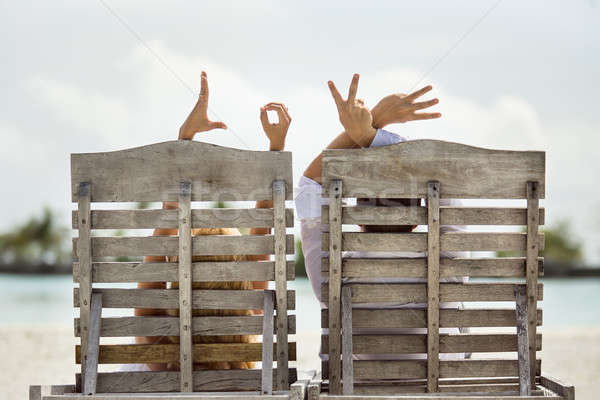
<point x="363" y="138"/>
<point x="276" y="145"/>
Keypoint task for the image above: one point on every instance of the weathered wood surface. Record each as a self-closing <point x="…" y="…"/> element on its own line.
<point x="417" y="369"/>
<point x="504" y="267"/>
<point x="298" y="390"/>
<point x="333" y="243"/>
<point x="166" y="298"/>
<point x="108" y="272"/>
<point x="558" y="387"/>
<point x="169" y="245"/>
<point x="169" y="326"/>
<point x="417" y="318"/>
<point x="403" y="293"/>
<point x="281" y="283"/>
<point x="433" y="286"/>
<point x="439" y="397"/>
<point x="185" y="287"/>
<point x="533" y="249"/>
<point x="347" y="370"/>
<point x="201" y="218"/>
<point x="217" y="380"/>
<point x="170" y="396"/>
<point x="417" y="343"/>
<point x="152" y="173"/>
<point x="356" y="215"/>
<point x="157" y="353"/>
<point x="93" y="344"/>
<point x="314" y="389"/>
<point x="523" y="342"/>
<point x="267" y="348"/>
<point x="450" y="241"/>
<point x="502" y="389"/>
<point x="403" y="170"/>
<point x="84" y="251"/>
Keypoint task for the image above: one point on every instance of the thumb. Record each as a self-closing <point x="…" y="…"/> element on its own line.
<point x="216" y="125"/>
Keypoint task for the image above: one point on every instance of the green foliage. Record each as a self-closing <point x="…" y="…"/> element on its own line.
<point x="38" y="239"/>
<point x="300" y="267"/>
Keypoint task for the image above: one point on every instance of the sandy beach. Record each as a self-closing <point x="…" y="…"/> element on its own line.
<point x="44" y="354"/>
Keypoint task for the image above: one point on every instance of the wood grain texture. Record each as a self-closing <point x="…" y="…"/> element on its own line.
<point x="505" y="267"/>
<point x="157" y="353"/>
<point x="403" y="293"/>
<point x="201" y="218"/>
<point x="93" y="344"/>
<point x="402" y="170"/>
<point x="558" y="387"/>
<point x="314" y="389"/>
<point x="281" y="283"/>
<point x="84" y="255"/>
<point x="450" y="241"/>
<point x="417" y="318"/>
<point x="347" y="368"/>
<point x="108" y="272"/>
<point x="185" y="287"/>
<point x="152" y="173"/>
<point x="533" y="249"/>
<point x="523" y="341"/>
<point x="433" y="286"/>
<point x="169" y="326"/>
<point x="165" y="298"/>
<point x="333" y="243"/>
<point x="356" y="215"/>
<point x="147" y="382"/>
<point x="267" y="348"/>
<point x="169" y="245"/>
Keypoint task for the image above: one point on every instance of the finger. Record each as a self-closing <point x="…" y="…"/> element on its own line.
<point x="424" y="104"/>
<point x="419" y="93"/>
<point x="418" y="116"/>
<point x="203" y="90"/>
<point x="282" y="114"/>
<point x="216" y="125"/>
<point x="336" y="95"/>
<point x="360" y="101"/>
<point x="353" y="88"/>
<point x="276" y="103"/>
<point x="264" y="118"/>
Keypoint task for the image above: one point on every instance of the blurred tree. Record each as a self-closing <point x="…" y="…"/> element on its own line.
<point x="37" y="240"/>
<point x="299" y="258"/>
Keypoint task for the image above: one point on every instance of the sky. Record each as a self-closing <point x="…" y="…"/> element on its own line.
<point x="103" y="75"/>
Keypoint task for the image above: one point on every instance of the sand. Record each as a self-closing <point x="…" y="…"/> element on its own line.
<point x="44" y="354"/>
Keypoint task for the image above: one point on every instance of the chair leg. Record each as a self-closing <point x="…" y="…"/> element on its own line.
<point x="523" y="341"/>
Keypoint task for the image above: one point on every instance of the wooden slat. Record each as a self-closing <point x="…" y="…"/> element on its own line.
<point x="209" y="271"/>
<point x="347" y="369"/>
<point x="84" y="251"/>
<point x="417" y="318"/>
<point x="450" y="241"/>
<point x="533" y="249"/>
<point x="169" y="245"/>
<point x="185" y="287"/>
<point x="161" y="353"/>
<point x="152" y="173"/>
<point x="402" y="170"/>
<point x="417" y="343"/>
<point x="361" y="215"/>
<point x="93" y="343"/>
<point x="471" y="391"/>
<point x="558" y="387"/>
<point x="523" y="341"/>
<point x="403" y="293"/>
<point x="433" y="286"/>
<point x="505" y="267"/>
<point x="167" y="381"/>
<point x="450" y="396"/>
<point x="314" y="389"/>
<point x="169" y="326"/>
<point x="333" y="243"/>
<point x="165" y="298"/>
<point x="280" y="283"/>
<point x="201" y="218"/>
<point x="267" y="348"/>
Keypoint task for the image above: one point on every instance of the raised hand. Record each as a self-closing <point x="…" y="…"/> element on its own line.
<point x="354" y="116"/>
<point x="275" y="132"/>
<point x="400" y="108"/>
<point x="198" y="120"/>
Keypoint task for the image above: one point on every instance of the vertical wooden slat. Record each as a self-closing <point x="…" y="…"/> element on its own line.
<point x="433" y="286"/>
<point x="281" y="284"/>
<point x="91" y="362"/>
<point x="348" y="372"/>
<point x="185" y="288"/>
<point x="335" y="284"/>
<point x="84" y="253"/>
<point x="522" y="341"/>
<point x="267" y="345"/>
<point x="533" y="213"/>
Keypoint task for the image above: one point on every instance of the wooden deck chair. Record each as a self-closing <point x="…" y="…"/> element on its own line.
<point x="182" y="171"/>
<point x="430" y="169"/>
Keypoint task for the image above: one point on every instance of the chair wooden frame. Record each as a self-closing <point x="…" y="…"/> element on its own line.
<point x="432" y="170"/>
<point x="182" y="171"/>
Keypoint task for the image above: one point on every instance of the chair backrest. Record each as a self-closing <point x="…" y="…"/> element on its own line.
<point x="185" y="172"/>
<point x="432" y="170"/>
